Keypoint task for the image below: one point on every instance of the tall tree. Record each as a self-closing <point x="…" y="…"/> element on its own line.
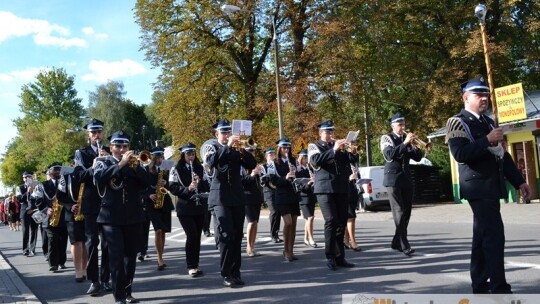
<point x="52" y="95"/>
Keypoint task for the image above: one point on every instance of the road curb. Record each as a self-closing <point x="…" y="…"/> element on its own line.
<point x="14" y="290"/>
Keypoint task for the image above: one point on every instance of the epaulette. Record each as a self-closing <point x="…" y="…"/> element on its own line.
<point x="455" y="128"/>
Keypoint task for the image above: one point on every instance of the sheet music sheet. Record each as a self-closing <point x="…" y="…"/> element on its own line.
<point x="241" y="127"/>
<point x="351" y="136"/>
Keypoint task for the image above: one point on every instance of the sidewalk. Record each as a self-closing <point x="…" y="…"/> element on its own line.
<point x="12" y="288"/>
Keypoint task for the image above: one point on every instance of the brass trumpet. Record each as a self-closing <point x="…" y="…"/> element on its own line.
<point x="246" y="143"/>
<point x="420" y="144"/>
<point x="144" y="158"/>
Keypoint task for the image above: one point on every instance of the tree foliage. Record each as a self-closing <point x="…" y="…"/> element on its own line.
<point x="52" y="95"/>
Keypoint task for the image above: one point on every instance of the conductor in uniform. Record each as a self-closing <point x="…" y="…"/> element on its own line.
<point x="483" y="166"/>
<point x="84" y="159"/>
<point x="331" y="187"/>
<point x="120" y="179"/>
<point x="227" y="198"/>
<point x="397" y="150"/>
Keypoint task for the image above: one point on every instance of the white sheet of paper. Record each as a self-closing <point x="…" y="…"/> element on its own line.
<point x="241" y="127"/>
<point x="351" y="136"/>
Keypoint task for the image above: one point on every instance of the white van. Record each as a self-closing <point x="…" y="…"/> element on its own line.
<point x="375" y="193"/>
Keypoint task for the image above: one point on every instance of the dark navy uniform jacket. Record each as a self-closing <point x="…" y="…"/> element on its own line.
<point x="285" y="191"/>
<point x="84" y="159"/>
<point x="24" y="198"/>
<point x="306" y="189"/>
<point x="269" y="194"/>
<point x="69" y="198"/>
<point x="252" y="188"/>
<point x="481" y="175"/>
<point x="122" y="189"/>
<point x="153" y="179"/>
<point x="332" y="176"/>
<point x="397" y="156"/>
<point x="179" y="182"/>
<point x="226" y="188"/>
<point x="44" y="200"/>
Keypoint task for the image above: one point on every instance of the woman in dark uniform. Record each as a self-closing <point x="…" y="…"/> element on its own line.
<point x="307" y="198"/>
<point x="159" y="213"/>
<point x="186" y="182"/>
<point x="286" y="202"/>
<point x="350" y="236"/>
<point x="68" y="197"/>
<point x="254" y="200"/>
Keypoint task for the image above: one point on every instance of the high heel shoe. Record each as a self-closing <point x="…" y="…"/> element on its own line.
<point x="347" y="246"/>
<point x="287" y="258"/>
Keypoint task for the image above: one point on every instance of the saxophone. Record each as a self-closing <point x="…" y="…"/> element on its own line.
<point x="56" y="212"/>
<point x="79" y="216"/>
<point x="160" y="191"/>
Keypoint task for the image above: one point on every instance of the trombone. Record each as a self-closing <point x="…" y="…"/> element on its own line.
<point x="420" y="144"/>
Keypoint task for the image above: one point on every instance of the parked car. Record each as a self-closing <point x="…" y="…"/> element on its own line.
<point x="375" y="194"/>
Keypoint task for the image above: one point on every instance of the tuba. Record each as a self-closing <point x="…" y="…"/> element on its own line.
<point x="160" y="191"/>
<point x="54" y="220"/>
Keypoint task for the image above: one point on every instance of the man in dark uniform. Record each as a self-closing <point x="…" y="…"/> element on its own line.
<point x="120" y="179"/>
<point x="331" y="162"/>
<point x="227" y="199"/>
<point x="483" y="167"/>
<point x="397" y="150"/>
<point x="54" y="224"/>
<point x="269" y="194"/>
<point x="29" y="226"/>
<point x="84" y="158"/>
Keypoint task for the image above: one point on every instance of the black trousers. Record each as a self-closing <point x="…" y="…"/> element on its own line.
<point x="146" y="230"/>
<point x="275" y="220"/>
<point x="401" y="204"/>
<point x="334" y="208"/>
<point x="487" y="252"/>
<point x="29" y="232"/>
<point x="229" y="231"/>
<point x="207" y="220"/>
<point x="57" y="238"/>
<point x="193" y="226"/>
<point x="44" y="241"/>
<point x="93" y="233"/>
<point x="124" y="243"/>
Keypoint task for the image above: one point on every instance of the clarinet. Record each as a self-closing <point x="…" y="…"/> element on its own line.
<point x="195" y="177"/>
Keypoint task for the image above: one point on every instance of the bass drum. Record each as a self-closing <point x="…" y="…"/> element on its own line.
<point x="208" y="148"/>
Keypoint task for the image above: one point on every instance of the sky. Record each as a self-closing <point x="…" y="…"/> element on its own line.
<point x="95" y="41"/>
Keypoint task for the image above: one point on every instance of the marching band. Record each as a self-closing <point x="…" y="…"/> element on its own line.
<point x="111" y="188"/>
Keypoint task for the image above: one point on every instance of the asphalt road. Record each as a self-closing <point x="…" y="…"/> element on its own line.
<point x="441" y="235"/>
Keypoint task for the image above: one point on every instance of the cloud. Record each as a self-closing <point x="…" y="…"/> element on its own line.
<point x="43" y="32"/>
<point x="105" y="70"/>
<point x="21" y="75"/>
<point x="89" y="31"/>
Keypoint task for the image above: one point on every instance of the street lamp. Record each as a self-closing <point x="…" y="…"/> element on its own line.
<point x="480" y="13"/>
<point x="228" y="8"/>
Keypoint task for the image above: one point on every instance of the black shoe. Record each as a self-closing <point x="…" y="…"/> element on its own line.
<point x="276" y="239"/>
<point x="106" y="286"/>
<point x="94" y="289"/>
<point x="53" y="268"/>
<point x="141" y="258"/>
<point x="207" y="233"/>
<point x="398" y="248"/>
<point x="63" y="266"/>
<point x="120" y="302"/>
<point x="26" y="253"/>
<point x="357" y="248"/>
<point x="130" y="299"/>
<point x="229" y="282"/>
<point x="409" y="251"/>
<point x="331" y="264"/>
<point x="344" y="263"/>
<point x="81" y="279"/>
<point x="238" y="281"/>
